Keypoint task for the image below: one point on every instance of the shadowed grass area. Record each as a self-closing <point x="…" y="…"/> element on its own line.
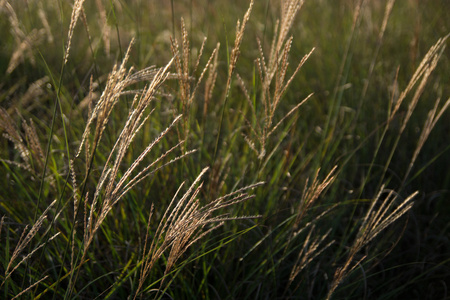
<point x="224" y="149"/>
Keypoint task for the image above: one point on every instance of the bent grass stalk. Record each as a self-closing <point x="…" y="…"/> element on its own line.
<point x="183" y="224"/>
<point x="108" y="188"/>
<point x="375" y="221"/>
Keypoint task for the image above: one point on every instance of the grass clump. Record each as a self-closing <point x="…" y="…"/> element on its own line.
<point x="301" y="155"/>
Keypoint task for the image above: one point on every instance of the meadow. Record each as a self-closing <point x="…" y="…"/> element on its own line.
<point x="197" y="149"/>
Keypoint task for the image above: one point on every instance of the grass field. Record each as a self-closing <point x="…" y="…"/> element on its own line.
<point x="198" y="149"/>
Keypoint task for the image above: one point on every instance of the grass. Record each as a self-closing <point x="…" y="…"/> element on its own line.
<point x="200" y="150"/>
